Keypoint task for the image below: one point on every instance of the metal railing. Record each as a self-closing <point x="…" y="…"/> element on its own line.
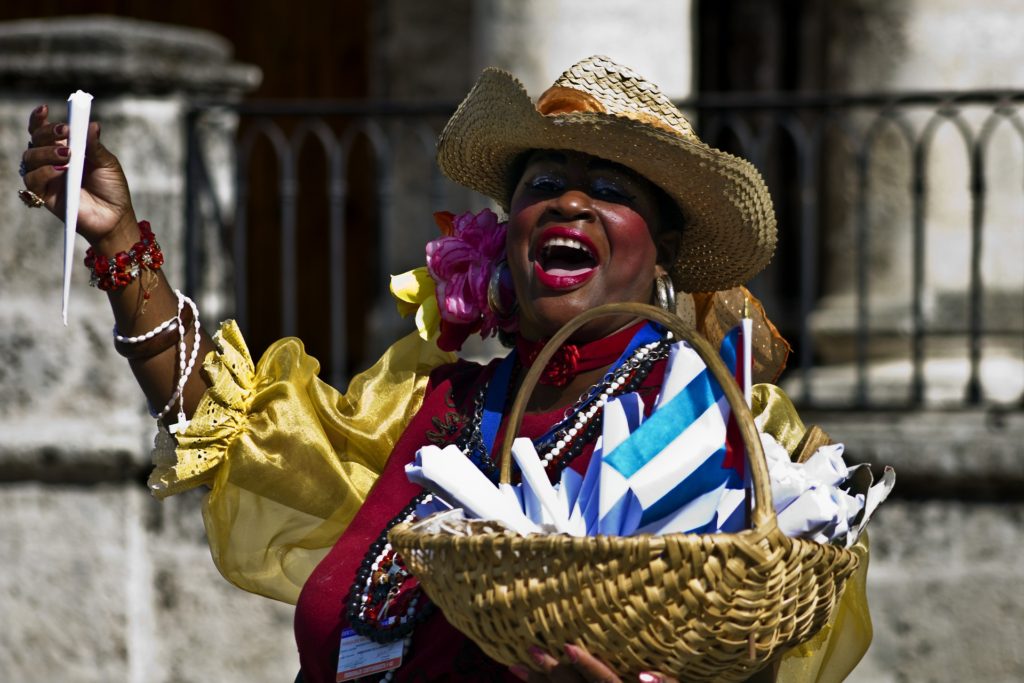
<point x="820" y="154"/>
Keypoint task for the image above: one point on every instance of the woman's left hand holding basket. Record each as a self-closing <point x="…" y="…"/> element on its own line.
<point x="582" y="666"/>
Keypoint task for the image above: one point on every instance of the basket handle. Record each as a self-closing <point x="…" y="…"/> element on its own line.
<point x="763" y="516"/>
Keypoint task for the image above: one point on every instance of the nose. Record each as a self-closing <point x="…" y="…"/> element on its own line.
<point x="573" y="205"/>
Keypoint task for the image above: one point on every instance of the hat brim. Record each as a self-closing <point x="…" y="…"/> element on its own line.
<point x="730" y="229"/>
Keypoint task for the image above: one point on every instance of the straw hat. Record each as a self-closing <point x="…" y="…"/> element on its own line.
<point x="609" y="111"/>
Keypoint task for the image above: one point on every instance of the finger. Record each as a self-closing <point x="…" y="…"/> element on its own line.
<point x="37" y="118"/>
<point x="96" y="154"/>
<point x="655" y="677"/>
<point x="542" y="659"/>
<point x="39" y="180"/>
<point x="589" y="666"/>
<point x="50" y="134"/>
<point x="37" y="157"/>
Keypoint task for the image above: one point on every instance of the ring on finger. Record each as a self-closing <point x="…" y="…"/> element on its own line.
<point x="22" y="170"/>
<point x="30" y="199"/>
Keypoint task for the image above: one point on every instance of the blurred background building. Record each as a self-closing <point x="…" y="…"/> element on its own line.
<point x="284" y="153"/>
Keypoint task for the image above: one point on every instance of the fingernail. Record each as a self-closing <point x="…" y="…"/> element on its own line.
<point x="648" y="677"/>
<point x="61" y="168"/>
<point x="573" y="653"/>
<point x="61" y="129"/>
<point x="39" y="109"/>
<point x="538" y="655"/>
<point x="520" y="672"/>
<point x="63" y="151"/>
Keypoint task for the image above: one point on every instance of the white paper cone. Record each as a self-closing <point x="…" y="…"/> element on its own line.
<point x="748" y="361"/>
<point x="79" y="107"/>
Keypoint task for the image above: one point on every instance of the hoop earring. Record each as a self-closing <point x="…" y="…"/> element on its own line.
<point x="499" y="281"/>
<point x="665" y="293"/>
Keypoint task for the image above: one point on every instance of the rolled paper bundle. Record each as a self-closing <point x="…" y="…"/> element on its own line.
<point x="79" y="107"/>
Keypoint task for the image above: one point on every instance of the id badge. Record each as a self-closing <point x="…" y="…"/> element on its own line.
<point x="359" y="656"/>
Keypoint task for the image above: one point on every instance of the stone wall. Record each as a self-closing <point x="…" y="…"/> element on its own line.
<point x="946" y="578"/>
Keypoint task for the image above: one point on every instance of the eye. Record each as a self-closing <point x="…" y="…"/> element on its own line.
<point x="546" y="183"/>
<point x="611" y="190"/>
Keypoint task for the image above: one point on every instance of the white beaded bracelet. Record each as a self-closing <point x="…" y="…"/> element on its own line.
<point x="147" y="335"/>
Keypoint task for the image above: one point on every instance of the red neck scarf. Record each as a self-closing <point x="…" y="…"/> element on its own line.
<point x="571" y="359"/>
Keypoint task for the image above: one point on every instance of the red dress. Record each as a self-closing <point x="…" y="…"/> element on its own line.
<point x="437" y="651"/>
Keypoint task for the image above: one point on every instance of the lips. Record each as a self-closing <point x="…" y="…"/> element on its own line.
<point x="564" y="258"/>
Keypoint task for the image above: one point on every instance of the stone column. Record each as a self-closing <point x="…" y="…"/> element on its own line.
<point x="931" y="45"/>
<point x="93" y="567"/>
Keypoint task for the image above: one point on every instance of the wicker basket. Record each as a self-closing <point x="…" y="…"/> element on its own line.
<point x="704" y="607"/>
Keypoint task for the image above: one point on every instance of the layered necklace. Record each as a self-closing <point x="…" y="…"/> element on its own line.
<point x="580" y="424"/>
<point x="385" y="602"/>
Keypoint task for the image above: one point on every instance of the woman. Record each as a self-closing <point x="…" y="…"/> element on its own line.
<point x="610" y="198"/>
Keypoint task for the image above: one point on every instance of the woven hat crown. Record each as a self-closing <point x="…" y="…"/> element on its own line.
<point x="611" y="88"/>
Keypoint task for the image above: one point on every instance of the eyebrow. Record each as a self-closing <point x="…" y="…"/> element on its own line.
<point x="547" y="155"/>
<point x="595" y="164"/>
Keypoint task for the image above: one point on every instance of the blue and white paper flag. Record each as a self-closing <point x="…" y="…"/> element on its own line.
<point x="672" y="460"/>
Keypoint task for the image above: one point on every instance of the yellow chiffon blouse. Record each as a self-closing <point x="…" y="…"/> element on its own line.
<point x="289" y="460"/>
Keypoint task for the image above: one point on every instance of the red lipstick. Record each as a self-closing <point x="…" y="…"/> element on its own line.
<point x="564" y="258"/>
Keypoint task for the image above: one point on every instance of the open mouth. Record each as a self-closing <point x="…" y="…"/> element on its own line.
<point x="564" y="258"/>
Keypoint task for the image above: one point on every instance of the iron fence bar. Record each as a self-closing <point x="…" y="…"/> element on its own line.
<point x="919" y="190"/>
<point x="862" y="251"/>
<point x="386" y="234"/>
<point x="806" y="175"/>
<point x="974" y="286"/>
<point x="289" y="189"/>
<point x="338" y="194"/>
<point x="192" y="162"/>
<point x="239" y="243"/>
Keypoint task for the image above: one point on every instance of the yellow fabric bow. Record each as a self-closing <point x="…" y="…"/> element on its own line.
<point x="414" y="293"/>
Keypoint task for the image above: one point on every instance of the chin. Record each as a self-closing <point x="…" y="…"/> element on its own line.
<point x="546" y="320"/>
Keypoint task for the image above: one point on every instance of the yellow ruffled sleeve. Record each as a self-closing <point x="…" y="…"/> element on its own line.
<point x="288" y="458"/>
<point x="832" y="654"/>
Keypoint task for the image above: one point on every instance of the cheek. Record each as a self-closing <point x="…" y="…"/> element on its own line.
<point x="517" y="246"/>
<point x="630" y="238"/>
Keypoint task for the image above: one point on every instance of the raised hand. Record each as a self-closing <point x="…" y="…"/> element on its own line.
<point x="107" y="220"/>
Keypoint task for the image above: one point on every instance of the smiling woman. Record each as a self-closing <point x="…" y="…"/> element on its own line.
<point x="610" y="198"/>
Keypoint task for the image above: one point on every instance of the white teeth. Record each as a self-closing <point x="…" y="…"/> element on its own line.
<point x="567" y="242"/>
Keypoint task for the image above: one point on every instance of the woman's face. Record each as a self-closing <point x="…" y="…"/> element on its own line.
<point x="580" y="234"/>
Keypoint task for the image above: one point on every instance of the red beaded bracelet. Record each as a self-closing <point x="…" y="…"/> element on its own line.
<point x="113" y="273"/>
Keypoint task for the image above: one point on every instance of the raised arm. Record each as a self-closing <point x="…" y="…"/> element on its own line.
<point x="107" y="221"/>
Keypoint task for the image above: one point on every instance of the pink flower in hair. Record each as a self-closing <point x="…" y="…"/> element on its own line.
<point x="461" y="263"/>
